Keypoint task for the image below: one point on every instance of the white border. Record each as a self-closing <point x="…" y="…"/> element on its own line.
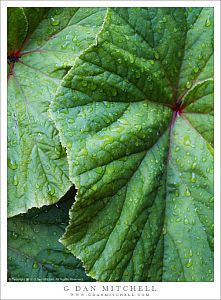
<point x="55" y="290"/>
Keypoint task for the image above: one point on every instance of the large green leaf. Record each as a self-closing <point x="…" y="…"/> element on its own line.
<point x="17" y="28"/>
<point x="38" y="169"/>
<point x="136" y="115"/>
<point x="34" y="253"/>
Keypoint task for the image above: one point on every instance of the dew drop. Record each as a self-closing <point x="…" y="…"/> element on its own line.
<point x="207" y="23"/>
<point x="187" y="141"/>
<point x="15" y="180"/>
<point x="193" y="166"/>
<point x="189" y="263"/>
<point x="187" y="193"/>
<point x="12" y="164"/>
<point x="74" y="39"/>
<point x="211" y="199"/>
<point x="164" y="229"/>
<point x="188" y="84"/>
<point x="14" y="235"/>
<point x="186" y="221"/>
<point x="35" y="265"/>
<point x="196" y="69"/>
<point x="51" y="190"/>
<point x="177" y="148"/>
<point x="54" y="22"/>
<point x="193" y="177"/>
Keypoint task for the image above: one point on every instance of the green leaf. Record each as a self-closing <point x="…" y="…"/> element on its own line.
<point x="139" y="106"/>
<point x="38" y="169"/>
<point x="34" y="17"/>
<point x="17" y="28"/>
<point x="34" y="253"/>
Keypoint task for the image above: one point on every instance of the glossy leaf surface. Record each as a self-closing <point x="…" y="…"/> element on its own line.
<point x="34" y="253"/>
<point x="39" y="54"/>
<point x="136" y="115"/>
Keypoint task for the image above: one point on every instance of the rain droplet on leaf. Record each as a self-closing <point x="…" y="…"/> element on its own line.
<point x="207" y="23"/>
<point x="187" y="193"/>
<point x="35" y="265"/>
<point x="188" y="84"/>
<point x="189" y="263"/>
<point x="15" y="180"/>
<point x="12" y="164"/>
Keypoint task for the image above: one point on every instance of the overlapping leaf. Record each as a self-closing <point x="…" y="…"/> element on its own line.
<point x="34" y="253"/>
<point x="136" y="115"/>
<point x="42" y="46"/>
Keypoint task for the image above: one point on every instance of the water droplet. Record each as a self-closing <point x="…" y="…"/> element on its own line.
<point x="196" y="69"/>
<point x="54" y="22"/>
<point x="187" y="193"/>
<point x="35" y="265"/>
<point x="178" y="220"/>
<point x="187" y="141"/>
<point x="74" y="39"/>
<point x="186" y="221"/>
<point x="193" y="177"/>
<point x="14" y="235"/>
<point x="208" y="23"/>
<point x="188" y="84"/>
<point x="12" y="164"/>
<point x="193" y="167"/>
<point x="189" y="263"/>
<point x="177" y="148"/>
<point x="15" y="180"/>
<point x="211" y="199"/>
<point x="51" y="190"/>
<point x="164" y="229"/>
